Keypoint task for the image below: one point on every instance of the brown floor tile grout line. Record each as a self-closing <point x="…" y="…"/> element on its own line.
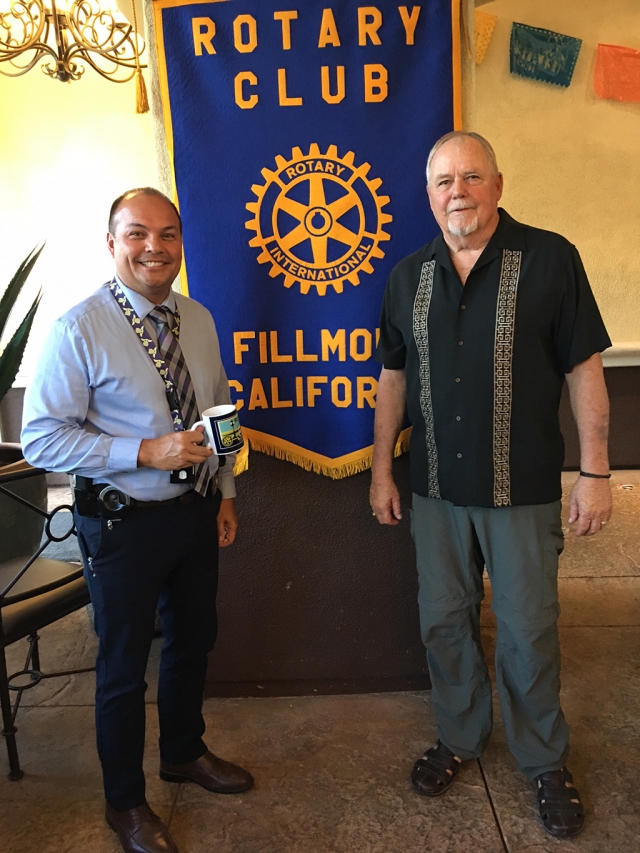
<point x="493" y="808"/>
<point x="565" y="627"/>
<point x="71" y="705"/>
<point x="174" y="804"/>
<point x="593" y="577"/>
<point x="562" y="628"/>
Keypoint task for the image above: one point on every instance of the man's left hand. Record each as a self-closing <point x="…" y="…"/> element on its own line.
<point x="227" y="522"/>
<point x="590" y="505"/>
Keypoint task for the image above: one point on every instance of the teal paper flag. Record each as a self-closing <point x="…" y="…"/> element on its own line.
<point x="543" y="55"/>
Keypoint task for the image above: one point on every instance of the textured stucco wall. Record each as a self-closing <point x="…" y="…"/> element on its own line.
<point x="570" y="160"/>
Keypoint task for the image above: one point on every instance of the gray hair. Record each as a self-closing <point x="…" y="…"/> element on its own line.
<point x="464" y="134"/>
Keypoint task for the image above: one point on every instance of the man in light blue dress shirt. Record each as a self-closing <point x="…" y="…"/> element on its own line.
<point x="98" y="408"/>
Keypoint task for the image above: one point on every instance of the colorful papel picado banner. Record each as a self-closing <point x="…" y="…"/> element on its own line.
<point x="543" y="54"/>
<point x="617" y="74"/>
<point x="299" y="133"/>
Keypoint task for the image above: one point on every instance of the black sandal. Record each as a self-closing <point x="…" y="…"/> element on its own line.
<point x="561" y="811"/>
<point x="435" y="771"/>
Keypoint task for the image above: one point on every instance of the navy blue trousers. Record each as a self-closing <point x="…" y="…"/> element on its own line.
<point x="165" y="558"/>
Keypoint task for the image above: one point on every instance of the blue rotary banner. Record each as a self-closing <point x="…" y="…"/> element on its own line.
<point x="299" y="134"/>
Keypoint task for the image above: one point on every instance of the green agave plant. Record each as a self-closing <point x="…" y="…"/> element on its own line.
<point x="11" y="356"/>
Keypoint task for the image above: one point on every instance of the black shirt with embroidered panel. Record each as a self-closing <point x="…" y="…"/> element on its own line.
<point x="485" y="363"/>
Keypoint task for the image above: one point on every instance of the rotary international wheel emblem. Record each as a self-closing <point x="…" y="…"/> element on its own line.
<point x="318" y="219"/>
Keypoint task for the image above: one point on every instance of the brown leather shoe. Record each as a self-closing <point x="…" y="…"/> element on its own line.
<point x="140" y="830"/>
<point x="211" y="772"/>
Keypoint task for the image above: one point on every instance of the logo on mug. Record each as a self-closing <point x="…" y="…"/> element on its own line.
<point x="229" y="432"/>
<point x="223" y="429"/>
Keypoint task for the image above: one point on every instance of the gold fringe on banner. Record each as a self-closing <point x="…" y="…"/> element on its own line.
<point x="402" y="444"/>
<point x="242" y="461"/>
<point x="484" y="24"/>
<point x="337" y="469"/>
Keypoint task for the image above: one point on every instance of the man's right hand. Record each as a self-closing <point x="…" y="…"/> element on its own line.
<point x="173" y="451"/>
<point x="384" y="498"/>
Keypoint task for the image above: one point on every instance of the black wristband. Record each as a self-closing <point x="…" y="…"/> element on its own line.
<point x="595" y="476"/>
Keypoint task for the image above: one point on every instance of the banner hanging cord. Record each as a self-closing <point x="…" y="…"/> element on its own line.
<point x="142" y="100"/>
<point x="465" y="30"/>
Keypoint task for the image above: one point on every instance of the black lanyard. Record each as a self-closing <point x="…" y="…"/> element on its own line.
<point x="152" y="351"/>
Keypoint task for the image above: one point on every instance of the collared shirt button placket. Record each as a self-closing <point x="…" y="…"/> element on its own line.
<point x="459" y="343"/>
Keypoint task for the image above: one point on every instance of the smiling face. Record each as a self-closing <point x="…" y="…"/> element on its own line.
<point x="147" y="245"/>
<point x="464" y="191"/>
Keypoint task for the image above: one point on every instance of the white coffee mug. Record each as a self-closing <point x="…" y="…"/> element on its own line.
<point x="223" y="429"/>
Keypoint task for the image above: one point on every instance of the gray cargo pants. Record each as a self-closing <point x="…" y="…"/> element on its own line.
<point x="520" y="546"/>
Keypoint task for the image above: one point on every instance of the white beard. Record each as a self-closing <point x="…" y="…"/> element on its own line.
<point x="464" y="230"/>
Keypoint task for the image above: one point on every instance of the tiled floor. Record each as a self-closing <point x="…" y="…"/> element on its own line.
<point x="331" y="771"/>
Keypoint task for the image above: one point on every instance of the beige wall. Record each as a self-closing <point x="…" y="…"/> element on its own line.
<point x="66" y="151"/>
<point x="571" y="161"/>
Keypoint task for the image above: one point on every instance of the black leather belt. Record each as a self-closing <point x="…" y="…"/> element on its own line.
<point x="186" y="498"/>
<point x="101" y="499"/>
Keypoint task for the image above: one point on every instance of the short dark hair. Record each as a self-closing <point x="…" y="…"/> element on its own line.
<point x="115" y="207"/>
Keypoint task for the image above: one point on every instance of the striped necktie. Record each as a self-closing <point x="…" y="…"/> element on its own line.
<point x="171" y="352"/>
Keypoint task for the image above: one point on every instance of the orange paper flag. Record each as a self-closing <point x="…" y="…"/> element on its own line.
<point x="484" y="24"/>
<point x="617" y="74"/>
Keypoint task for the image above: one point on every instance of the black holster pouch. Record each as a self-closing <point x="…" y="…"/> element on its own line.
<point x="99" y="500"/>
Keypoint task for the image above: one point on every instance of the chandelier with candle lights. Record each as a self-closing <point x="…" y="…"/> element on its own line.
<point x="68" y="32"/>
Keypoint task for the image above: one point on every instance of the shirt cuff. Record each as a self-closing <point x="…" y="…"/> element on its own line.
<point x="390" y="361"/>
<point x="123" y="455"/>
<point x="226" y="482"/>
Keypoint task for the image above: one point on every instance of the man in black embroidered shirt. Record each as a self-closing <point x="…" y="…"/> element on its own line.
<point x="479" y="330"/>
